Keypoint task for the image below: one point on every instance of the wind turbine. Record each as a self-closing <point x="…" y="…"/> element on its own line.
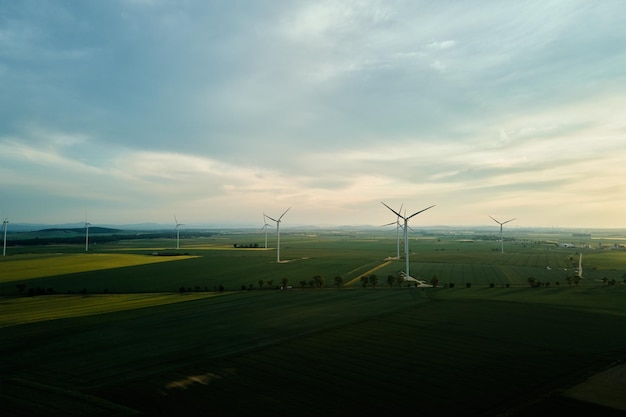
<point x="265" y="226"/>
<point x="398" y="227"/>
<point x="406" y="235"/>
<point x="177" y="227"/>
<point x="278" y="233"/>
<point x="501" y="238"/>
<point x="5" y="225"/>
<point x="87" y="224"/>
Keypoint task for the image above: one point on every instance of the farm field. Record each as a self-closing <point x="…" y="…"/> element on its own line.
<point x="163" y="340"/>
<point x="208" y="263"/>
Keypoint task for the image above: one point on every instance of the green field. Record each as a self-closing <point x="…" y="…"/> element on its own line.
<point x="128" y="337"/>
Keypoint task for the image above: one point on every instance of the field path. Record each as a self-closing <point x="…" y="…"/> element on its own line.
<point x="376" y="268"/>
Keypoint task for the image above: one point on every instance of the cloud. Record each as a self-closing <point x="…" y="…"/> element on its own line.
<point x="216" y="110"/>
<point x="441" y="45"/>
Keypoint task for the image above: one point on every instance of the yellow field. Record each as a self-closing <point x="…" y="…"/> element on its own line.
<point x="368" y="273"/>
<point x="14" y="311"/>
<point x="22" y="269"/>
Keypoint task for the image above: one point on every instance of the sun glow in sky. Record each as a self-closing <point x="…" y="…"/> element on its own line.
<point x="135" y="110"/>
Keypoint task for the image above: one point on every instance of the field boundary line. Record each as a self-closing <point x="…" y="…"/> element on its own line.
<point x="376" y="268"/>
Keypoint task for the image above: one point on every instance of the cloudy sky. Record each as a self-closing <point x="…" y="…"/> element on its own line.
<point x="217" y="111"/>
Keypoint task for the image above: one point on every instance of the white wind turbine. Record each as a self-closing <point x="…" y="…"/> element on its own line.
<point x="501" y="238"/>
<point x="5" y="225"/>
<point x="406" y="237"/>
<point x="398" y="227"/>
<point x="177" y="227"/>
<point x="87" y="224"/>
<point x="265" y="226"/>
<point x="278" y="233"/>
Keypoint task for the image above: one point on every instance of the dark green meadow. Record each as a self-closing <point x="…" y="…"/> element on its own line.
<point x="478" y="351"/>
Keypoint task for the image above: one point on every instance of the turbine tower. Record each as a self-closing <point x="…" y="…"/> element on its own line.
<point x="278" y="233"/>
<point x="87" y="224"/>
<point x="5" y="225"/>
<point x="501" y="238"/>
<point x="406" y="234"/>
<point x="177" y="227"/>
<point x="265" y="226"/>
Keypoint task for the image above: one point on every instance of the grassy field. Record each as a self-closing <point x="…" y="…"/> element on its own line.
<point x="214" y="262"/>
<point x="147" y="348"/>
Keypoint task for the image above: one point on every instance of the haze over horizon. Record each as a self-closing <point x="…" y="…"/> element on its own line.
<point x="131" y="111"/>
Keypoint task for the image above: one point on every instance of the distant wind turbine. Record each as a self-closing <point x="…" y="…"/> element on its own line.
<point x="501" y="238"/>
<point x="398" y="227"/>
<point x="265" y="226"/>
<point x="5" y="225"/>
<point x="87" y="224"/>
<point x="278" y="232"/>
<point x="406" y="235"/>
<point x="177" y="227"/>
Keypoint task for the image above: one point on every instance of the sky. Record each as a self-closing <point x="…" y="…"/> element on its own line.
<point x="131" y="111"/>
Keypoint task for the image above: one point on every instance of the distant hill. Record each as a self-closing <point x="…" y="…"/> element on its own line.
<point x="92" y="230"/>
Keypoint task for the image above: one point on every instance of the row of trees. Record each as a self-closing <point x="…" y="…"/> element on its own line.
<point x="245" y="246"/>
<point x="33" y="291"/>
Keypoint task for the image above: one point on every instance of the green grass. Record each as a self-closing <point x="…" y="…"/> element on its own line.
<point x="215" y="262"/>
<point x="457" y="351"/>
<point x="324" y="351"/>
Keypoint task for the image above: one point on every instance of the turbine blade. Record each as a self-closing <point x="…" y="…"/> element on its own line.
<point x="495" y="220"/>
<point x="274" y="220"/>
<point x="281" y="216"/>
<point x="395" y="212"/>
<point x="508" y="221"/>
<point x="421" y="211"/>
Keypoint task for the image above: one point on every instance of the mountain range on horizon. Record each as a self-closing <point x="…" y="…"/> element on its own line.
<point x="153" y="226"/>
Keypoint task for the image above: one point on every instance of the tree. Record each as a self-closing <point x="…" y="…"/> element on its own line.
<point x="399" y="280"/>
<point x="532" y="281"/>
<point x="303" y="283"/>
<point x="284" y="281"/>
<point x="373" y="280"/>
<point x="390" y="280"/>
<point x="270" y="282"/>
<point x="338" y="281"/>
<point x="318" y="281"/>
<point x="261" y="283"/>
<point x="364" y="281"/>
